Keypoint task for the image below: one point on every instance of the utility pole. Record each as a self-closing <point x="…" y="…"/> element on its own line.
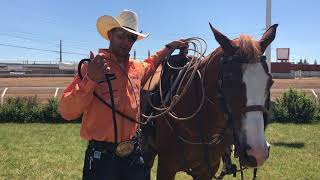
<point x="134" y="54"/>
<point x="268" y="24"/>
<point x="60" y="51"/>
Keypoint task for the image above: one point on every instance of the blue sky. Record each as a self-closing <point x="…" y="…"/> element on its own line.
<point x="41" y="24"/>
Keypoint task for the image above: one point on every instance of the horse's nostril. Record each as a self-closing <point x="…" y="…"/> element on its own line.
<point x="249" y="161"/>
<point x="256" y="156"/>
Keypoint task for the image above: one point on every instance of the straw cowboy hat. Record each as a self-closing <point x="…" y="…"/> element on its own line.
<point x="127" y="20"/>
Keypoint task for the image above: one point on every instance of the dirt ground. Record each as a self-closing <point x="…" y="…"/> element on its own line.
<point x="305" y="83"/>
<point x="35" y="82"/>
<point x="42" y="87"/>
<point x="45" y="87"/>
<point x="310" y="83"/>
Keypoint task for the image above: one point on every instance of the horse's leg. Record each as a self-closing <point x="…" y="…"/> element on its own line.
<point x="204" y="176"/>
<point x="149" y="158"/>
<point x="165" y="171"/>
<point x="203" y="172"/>
<point x="149" y="153"/>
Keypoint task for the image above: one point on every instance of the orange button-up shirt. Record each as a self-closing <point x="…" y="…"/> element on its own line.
<point x="97" y="122"/>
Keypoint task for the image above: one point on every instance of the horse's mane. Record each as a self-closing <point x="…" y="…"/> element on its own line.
<point x="215" y="55"/>
<point x="247" y="48"/>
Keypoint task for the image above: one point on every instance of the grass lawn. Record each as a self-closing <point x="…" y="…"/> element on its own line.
<point x="55" y="151"/>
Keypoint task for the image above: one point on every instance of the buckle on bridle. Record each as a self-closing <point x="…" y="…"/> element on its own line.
<point x="125" y="148"/>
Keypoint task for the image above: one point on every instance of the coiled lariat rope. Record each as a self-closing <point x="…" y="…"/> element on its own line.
<point x="198" y="47"/>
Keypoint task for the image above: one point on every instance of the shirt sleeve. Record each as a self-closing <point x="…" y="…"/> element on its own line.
<point x="77" y="96"/>
<point x="150" y="64"/>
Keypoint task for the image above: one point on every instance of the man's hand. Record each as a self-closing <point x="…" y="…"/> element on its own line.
<point x="178" y="44"/>
<point x="97" y="68"/>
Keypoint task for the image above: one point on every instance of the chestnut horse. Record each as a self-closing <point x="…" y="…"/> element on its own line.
<point x="236" y="83"/>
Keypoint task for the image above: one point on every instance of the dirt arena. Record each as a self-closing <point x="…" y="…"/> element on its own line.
<point x="45" y="87"/>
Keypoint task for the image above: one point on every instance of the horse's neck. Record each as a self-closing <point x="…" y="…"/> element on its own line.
<point x="210" y="119"/>
<point x="210" y="71"/>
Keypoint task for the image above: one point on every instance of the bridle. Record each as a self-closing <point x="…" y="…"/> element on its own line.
<point x="229" y="60"/>
<point x="225" y="60"/>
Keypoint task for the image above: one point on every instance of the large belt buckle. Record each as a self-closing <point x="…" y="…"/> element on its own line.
<point x="124" y="148"/>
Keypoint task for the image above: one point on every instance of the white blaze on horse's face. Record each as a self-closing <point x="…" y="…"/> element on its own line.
<point x="255" y="79"/>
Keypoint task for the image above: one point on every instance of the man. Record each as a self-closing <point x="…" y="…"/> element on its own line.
<point x="113" y="151"/>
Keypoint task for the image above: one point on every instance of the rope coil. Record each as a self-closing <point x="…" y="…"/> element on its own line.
<point x="190" y="70"/>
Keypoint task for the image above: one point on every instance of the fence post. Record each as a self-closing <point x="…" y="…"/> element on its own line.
<point x="315" y="95"/>
<point x="2" y="96"/>
<point x="56" y="93"/>
<point x="300" y="74"/>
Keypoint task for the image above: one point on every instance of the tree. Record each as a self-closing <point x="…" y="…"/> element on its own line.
<point x="300" y="62"/>
<point x="305" y="61"/>
<point x="315" y="62"/>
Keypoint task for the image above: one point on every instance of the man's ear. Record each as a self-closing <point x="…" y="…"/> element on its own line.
<point x="109" y="34"/>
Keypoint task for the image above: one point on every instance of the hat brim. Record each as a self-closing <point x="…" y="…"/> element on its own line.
<point x="106" y="23"/>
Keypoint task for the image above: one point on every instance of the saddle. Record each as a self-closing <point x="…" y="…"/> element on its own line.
<point x="168" y="77"/>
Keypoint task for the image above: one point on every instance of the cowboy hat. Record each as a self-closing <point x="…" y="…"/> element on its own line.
<point x="127" y="20"/>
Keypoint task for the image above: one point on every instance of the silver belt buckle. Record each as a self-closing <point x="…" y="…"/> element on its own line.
<point x="124" y="148"/>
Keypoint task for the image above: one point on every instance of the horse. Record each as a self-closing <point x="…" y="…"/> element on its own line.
<point x="235" y="84"/>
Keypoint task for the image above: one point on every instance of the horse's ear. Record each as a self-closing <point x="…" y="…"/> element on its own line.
<point x="224" y="41"/>
<point x="268" y="37"/>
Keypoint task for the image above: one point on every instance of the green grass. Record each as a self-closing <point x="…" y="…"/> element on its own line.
<point x="295" y="152"/>
<point x="55" y="151"/>
<point x="40" y="151"/>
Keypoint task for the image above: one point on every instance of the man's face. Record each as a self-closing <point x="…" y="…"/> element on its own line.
<point x="121" y="41"/>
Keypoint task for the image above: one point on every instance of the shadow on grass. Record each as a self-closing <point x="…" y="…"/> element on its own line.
<point x="289" y="145"/>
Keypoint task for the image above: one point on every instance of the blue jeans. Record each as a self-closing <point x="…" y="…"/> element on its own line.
<point x="101" y="165"/>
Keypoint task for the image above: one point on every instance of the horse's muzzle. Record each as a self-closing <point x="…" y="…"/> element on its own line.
<point x="255" y="157"/>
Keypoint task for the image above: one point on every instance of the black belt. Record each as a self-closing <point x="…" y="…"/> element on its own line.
<point x="102" y="146"/>
<point x="122" y="149"/>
